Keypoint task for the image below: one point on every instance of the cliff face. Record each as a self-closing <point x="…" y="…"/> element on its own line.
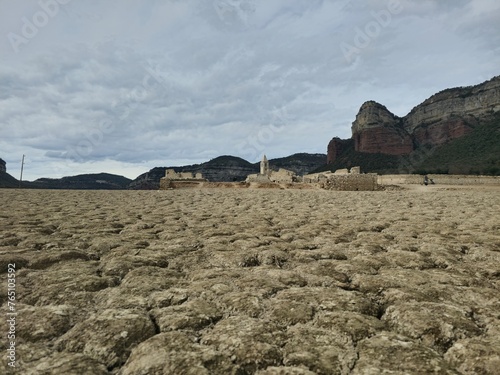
<point x="445" y="116"/>
<point x="444" y="130"/>
<point x="377" y="130"/>
<point x="474" y="101"/>
<point x="336" y="147"/>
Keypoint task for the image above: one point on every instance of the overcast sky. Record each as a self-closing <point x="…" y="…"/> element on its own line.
<point x="122" y="86"/>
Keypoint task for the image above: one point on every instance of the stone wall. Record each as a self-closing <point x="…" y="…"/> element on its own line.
<point x="261" y="178"/>
<point x="323" y="176"/>
<point x="352" y="182"/>
<point x="439" y="179"/>
<point x="400" y="179"/>
<point x="446" y="179"/>
<point x="179" y="180"/>
<point x="167" y="184"/>
<point x="316" y="177"/>
<point x="3" y="167"/>
<point x="341" y="171"/>
<point x="173" y="175"/>
<point x="282" y="176"/>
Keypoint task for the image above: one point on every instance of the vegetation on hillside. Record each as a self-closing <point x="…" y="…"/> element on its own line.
<point x="476" y="153"/>
<point x="369" y="163"/>
<point x="300" y="163"/>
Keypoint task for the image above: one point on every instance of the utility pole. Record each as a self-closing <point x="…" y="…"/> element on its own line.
<point x="21" y="178"/>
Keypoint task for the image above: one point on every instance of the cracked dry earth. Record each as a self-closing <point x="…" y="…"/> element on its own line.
<point x="260" y="282"/>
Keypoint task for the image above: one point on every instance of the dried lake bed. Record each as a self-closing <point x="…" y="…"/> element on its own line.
<point x="251" y="281"/>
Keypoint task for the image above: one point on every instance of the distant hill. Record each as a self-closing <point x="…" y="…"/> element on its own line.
<point x="301" y="163"/>
<point x="231" y="168"/>
<point x="222" y="169"/>
<point x="226" y="169"/>
<point x="100" y="181"/>
<point x="7" y="181"/>
<point x="149" y="180"/>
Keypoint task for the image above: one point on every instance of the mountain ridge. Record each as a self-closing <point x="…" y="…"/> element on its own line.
<point x="224" y="168"/>
<point x="476" y="153"/>
<point x="442" y="118"/>
<point x="227" y="168"/>
<point x="94" y="181"/>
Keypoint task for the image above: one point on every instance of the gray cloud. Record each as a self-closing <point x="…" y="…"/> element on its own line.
<point x="126" y="86"/>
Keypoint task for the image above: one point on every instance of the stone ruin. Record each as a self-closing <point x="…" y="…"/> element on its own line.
<point x="267" y="175"/>
<point x="173" y="175"/>
<point x="323" y="176"/>
<point x="175" y="179"/>
<point x="344" y="179"/>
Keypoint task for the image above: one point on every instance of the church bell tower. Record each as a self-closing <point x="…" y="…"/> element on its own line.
<point x="264" y="166"/>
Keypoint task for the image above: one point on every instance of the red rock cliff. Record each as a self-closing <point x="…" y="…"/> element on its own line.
<point x="336" y="147"/>
<point x="447" y="115"/>
<point x="377" y="130"/>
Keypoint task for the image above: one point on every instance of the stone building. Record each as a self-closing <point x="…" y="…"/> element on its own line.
<point x="267" y="175"/>
<point x="175" y="179"/>
<point x="282" y="176"/>
<point x="264" y="166"/>
<point x="344" y="179"/>
<point x="3" y="167"/>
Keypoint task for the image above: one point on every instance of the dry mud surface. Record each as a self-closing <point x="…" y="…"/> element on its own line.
<point x="267" y="282"/>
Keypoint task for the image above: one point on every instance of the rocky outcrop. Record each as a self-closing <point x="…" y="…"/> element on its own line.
<point x="336" y="147"/>
<point x="447" y="115"/>
<point x="444" y="130"/>
<point x="3" y="168"/>
<point x="462" y="102"/>
<point x="377" y="130"/>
